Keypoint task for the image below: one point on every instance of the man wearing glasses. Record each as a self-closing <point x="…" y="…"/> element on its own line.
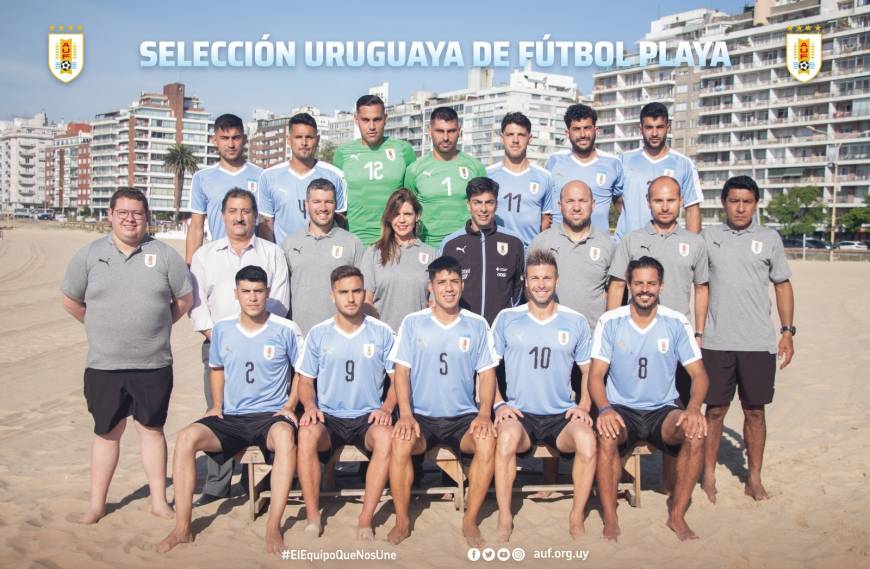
<point x="128" y="289"/>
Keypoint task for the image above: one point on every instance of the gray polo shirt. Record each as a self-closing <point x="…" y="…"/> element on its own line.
<point x="582" y="269"/>
<point x="310" y="260"/>
<point x="682" y="254"/>
<point x="742" y="263"/>
<point x="399" y="288"/>
<point x="127" y="317"/>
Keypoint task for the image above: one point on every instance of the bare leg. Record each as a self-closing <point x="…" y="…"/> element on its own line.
<point x="479" y="478"/>
<point x="577" y="437"/>
<point x="669" y="465"/>
<point x="379" y="441"/>
<point x="401" y="478"/>
<point x="549" y="475"/>
<point x="608" y="471"/>
<point x="715" y="420"/>
<point x="104" y="458"/>
<point x="689" y="464"/>
<point x="312" y="438"/>
<point x="512" y="438"/>
<point x="755" y="436"/>
<point x="152" y="447"/>
<point x="280" y="441"/>
<point x="190" y="440"/>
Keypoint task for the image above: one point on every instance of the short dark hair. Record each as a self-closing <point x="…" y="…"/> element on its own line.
<point x="444" y="114"/>
<point x="252" y="273"/>
<point x="740" y="183"/>
<point x="481" y="185"/>
<point x="228" y="122"/>
<point x="654" y="110"/>
<point x="644" y="263"/>
<point x="239" y="193"/>
<point x="579" y="112"/>
<point x="540" y="257"/>
<point x="344" y="272"/>
<point x="518" y="119"/>
<point x="321" y="184"/>
<point x="369" y="100"/>
<point x="444" y="263"/>
<point x="130" y="194"/>
<point x="303" y="118"/>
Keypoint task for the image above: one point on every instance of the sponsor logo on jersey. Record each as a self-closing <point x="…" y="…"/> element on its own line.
<point x="150" y="260"/>
<point x="663" y="345"/>
<point x="564" y="336"/>
<point x="501" y="247"/>
<point x="464" y="343"/>
<point x="756" y="247"/>
<point x="594" y="253"/>
<point x="600" y="178"/>
<point x="684" y="249"/>
<point x="368" y="350"/>
<point x="66" y="53"/>
<point x="534" y="187"/>
<point x="337" y="250"/>
<point x="669" y="172"/>
<point x="391" y="153"/>
<point x="423" y="258"/>
<point x="803" y="57"/>
<point x="463" y="172"/>
<point x="268" y="351"/>
<point x="252" y="186"/>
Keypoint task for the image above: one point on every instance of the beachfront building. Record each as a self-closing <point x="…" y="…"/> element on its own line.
<point x="268" y="135"/>
<point x="129" y="145"/>
<point x="68" y="168"/>
<point x="22" y="161"/>
<point x="754" y="118"/>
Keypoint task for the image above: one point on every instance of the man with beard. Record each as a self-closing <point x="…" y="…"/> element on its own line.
<point x="655" y="158"/>
<point x="599" y="170"/>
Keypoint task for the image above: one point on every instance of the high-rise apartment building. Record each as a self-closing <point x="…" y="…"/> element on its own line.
<point x="22" y="161"/>
<point x="68" y="168"/>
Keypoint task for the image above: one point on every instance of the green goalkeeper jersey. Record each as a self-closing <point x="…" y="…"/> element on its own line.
<point x="372" y="174"/>
<point x="440" y="187"/>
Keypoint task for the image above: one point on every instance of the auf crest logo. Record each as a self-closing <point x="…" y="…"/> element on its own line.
<point x="66" y="52"/>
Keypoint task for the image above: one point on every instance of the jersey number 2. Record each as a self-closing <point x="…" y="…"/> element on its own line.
<point x="249" y="370"/>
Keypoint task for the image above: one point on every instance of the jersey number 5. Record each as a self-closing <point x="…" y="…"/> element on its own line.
<point x="443" y="360"/>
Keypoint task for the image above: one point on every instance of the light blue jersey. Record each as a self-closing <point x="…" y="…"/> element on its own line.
<point x="349" y="368"/>
<point x="643" y="363"/>
<point x="538" y="357"/>
<point x="443" y="361"/>
<point x="639" y="171"/>
<point x="281" y="196"/>
<point x="603" y="175"/>
<point x="256" y="364"/>
<point x="209" y="186"/>
<point x="522" y="199"/>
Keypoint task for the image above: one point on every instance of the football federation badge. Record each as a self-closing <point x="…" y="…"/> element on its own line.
<point x="564" y="336"/>
<point x="464" y="343"/>
<point x="423" y="258"/>
<point x="669" y="173"/>
<point x="803" y="52"/>
<point x="502" y="248"/>
<point x="391" y="153"/>
<point x="463" y="172"/>
<point x="663" y="345"/>
<point x="534" y="187"/>
<point x="594" y="253"/>
<point x="756" y="247"/>
<point x="150" y="260"/>
<point x="684" y="249"/>
<point x="252" y="186"/>
<point x="600" y="178"/>
<point x="268" y="351"/>
<point x="337" y="250"/>
<point x="66" y="52"/>
<point x="368" y="350"/>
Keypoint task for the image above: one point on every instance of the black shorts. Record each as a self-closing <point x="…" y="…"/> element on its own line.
<point x="684" y="384"/>
<point x="645" y="426"/>
<point x="114" y="395"/>
<point x="345" y="432"/>
<point x="446" y="431"/>
<point x="237" y="432"/>
<point x="750" y="373"/>
<point x="544" y="429"/>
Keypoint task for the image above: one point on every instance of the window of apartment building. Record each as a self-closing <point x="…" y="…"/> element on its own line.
<point x="680" y="107"/>
<point x="682" y="88"/>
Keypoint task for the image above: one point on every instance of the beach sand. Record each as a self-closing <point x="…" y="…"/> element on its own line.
<point x="816" y="467"/>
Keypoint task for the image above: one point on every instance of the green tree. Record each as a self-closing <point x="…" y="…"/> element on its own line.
<point x="855" y="218"/>
<point x="326" y="151"/>
<point x="179" y="160"/>
<point x="798" y="211"/>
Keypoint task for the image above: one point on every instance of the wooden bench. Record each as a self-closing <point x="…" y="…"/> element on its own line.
<point x="258" y="470"/>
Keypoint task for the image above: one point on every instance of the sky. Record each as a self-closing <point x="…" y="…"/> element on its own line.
<point x="113" y="77"/>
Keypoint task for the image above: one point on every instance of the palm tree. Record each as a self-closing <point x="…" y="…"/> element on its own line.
<point x="179" y="160"/>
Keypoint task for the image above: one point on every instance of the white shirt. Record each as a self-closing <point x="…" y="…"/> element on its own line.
<point x="214" y="267"/>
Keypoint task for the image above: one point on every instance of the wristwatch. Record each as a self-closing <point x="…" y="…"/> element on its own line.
<point x="699" y="334"/>
<point x="791" y="329"/>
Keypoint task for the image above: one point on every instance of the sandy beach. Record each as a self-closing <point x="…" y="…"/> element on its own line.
<point x="816" y="467"/>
